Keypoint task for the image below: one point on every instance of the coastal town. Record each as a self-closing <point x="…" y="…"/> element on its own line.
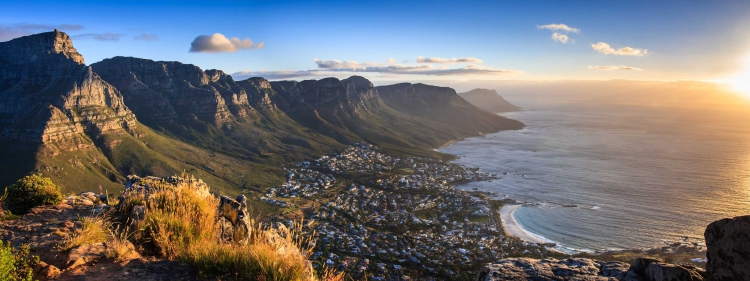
<point x="381" y="217"/>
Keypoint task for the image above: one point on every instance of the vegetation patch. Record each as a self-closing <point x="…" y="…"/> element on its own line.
<point x="31" y="191"/>
<point x="16" y="264"/>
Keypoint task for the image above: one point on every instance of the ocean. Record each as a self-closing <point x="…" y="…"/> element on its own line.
<point x="640" y="177"/>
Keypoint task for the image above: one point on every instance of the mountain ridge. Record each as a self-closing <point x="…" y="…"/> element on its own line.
<point x="90" y="132"/>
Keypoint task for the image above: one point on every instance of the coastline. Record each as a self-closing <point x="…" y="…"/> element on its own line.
<point x="512" y="228"/>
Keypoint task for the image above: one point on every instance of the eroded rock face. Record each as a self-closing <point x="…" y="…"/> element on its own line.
<point x="48" y="95"/>
<point x="728" y="243"/>
<point x="327" y="96"/>
<point x="159" y="91"/>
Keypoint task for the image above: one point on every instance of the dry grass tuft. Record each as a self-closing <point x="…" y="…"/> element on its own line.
<point x="93" y="230"/>
<point x="180" y="223"/>
<point x="119" y="247"/>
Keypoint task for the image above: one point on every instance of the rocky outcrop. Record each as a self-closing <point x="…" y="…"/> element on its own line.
<point x="516" y="269"/>
<point x="234" y="220"/>
<point x="442" y="104"/>
<point x="640" y="269"/>
<point x="488" y="100"/>
<point x="259" y="92"/>
<point x="728" y="254"/>
<point x="48" y="95"/>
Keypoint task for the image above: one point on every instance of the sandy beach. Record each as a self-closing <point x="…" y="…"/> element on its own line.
<point x="511" y="226"/>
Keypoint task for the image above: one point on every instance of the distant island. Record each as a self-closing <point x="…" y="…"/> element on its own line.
<point x="489" y="100"/>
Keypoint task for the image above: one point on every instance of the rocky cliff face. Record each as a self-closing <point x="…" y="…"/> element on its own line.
<point x="728" y="243"/>
<point x="329" y="95"/>
<point x="166" y="92"/>
<point x="488" y="100"/>
<point x="442" y="104"/>
<point x="259" y="92"/>
<point x="48" y="95"/>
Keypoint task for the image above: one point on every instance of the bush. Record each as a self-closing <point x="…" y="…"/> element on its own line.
<point x="16" y="265"/>
<point x="31" y="191"/>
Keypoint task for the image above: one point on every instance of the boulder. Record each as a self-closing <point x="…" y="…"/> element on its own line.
<point x="46" y="271"/>
<point x="234" y="220"/>
<point x="639" y="265"/>
<point x="657" y="271"/>
<point x="728" y="243"/>
<point x="84" y="254"/>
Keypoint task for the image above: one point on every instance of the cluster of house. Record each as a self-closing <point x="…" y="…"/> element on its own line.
<point x="403" y="217"/>
<point x="302" y="182"/>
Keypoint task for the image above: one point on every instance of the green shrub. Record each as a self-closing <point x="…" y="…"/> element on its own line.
<point x="16" y="265"/>
<point x="31" y="191"/>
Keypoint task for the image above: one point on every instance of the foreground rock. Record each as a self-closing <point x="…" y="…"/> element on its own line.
<point x="728" y="243"/>
<point x="640" y="269"/>
<point x="552" y="269"/>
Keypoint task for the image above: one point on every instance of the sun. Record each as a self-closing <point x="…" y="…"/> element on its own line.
<point x="741" y="81"/>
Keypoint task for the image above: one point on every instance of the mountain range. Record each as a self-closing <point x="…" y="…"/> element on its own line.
<point x="86" y="125"/>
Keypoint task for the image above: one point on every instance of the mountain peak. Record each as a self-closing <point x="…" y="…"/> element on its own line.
<point x="54" y="42"/>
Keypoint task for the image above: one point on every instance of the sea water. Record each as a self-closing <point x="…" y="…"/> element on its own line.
<point x="638" y="177"/>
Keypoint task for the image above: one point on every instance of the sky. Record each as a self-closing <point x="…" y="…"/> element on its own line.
<point x="412" y="41"/>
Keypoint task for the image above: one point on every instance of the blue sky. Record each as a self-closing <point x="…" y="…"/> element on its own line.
<point x="700" y="40"/>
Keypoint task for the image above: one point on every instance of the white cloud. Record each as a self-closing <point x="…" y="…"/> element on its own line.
<point x="218" y="43"/>
<point x="604" y="48"/>
<point x="559" y="31"/>
<point x="146" y="37"/>
<point x="613" y="67"/>
<point x="453" y="60"/>
<point x="391" y="61"/>
<point x="12" y="31"/>
<point x="558" y="27"/>
<point x="562" y="38"/>
<point x="99" y="36"/>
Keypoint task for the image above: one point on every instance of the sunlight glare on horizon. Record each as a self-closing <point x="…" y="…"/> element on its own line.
<point x="741" y="81"/>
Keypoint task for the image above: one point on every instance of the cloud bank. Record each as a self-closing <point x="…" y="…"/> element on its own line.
<point x="559" y="27"/>
<point x="604" y="48"/>
<point x="218" y="43"/>
<point x="336" y="67"/>
<point x="99" y="36"/>
<point x="613" y="67"/>
<point x="12" y="31"/>
<point x="146" y="37"/>
<point x="453" y="60"/>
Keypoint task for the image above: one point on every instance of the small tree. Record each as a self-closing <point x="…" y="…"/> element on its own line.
<point x="31" y="191"/>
